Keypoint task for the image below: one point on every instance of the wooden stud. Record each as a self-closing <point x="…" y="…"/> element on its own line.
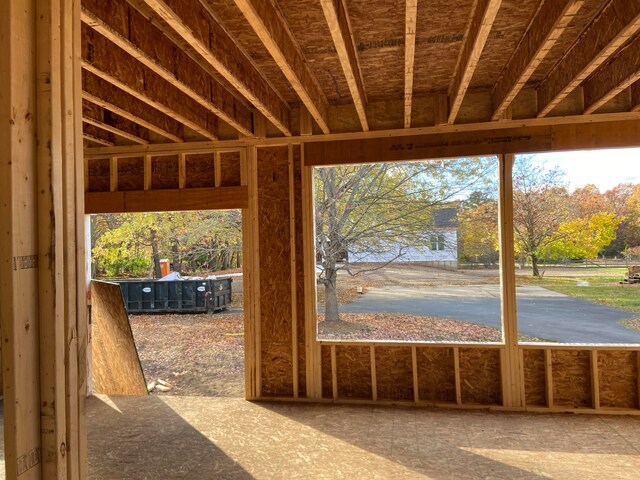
<point x="182" y="170"/>
<point x="411" y="16"/>
<point x="294" y="283"/>
<point x="414" y="368"/>
<point x="548" y="367"/>
<point x="480" y="25"/>
<point x="306" y="121"/>
<point x="217" y="169"/>
<point x="511" y="383"/>
<point x="274" y="33"/>
<point x="259" y="125"/>
<point x="441" y="109"/>
<point x="523" y="392"/>
<point x="595" y="380"/>
<point x="224" y="56"/>
<point x="113" y="174"/>
<point x="334" y="372"/>
<point x="374" y="377"/>
<point x="456" y="372"/>
<point x="337" y="16"/>
<point x="312" y="346"/>
<point x="550" y="22"/>
<point x="613" y="78"/>
<point x="182" y="72"/>
<point x="147" y="172"/>
<point x="617" y="23"/>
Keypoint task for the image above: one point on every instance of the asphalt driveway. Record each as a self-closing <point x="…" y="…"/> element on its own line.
<point x="541" y="312"/>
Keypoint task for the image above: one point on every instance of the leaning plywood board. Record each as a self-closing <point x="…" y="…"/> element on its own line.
<point x="115" y="362"/>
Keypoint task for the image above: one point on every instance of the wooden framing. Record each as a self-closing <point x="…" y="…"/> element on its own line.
<point x="188" y="77"/>
<point x="411" y="15"/>
<point x="224" y="56"/>
<point x="618" y="22"/>
<point x="546" y="28"/>
<point x="276" y="36"/>
<point x="335" y="11"/>
<point x="480" y="25"/>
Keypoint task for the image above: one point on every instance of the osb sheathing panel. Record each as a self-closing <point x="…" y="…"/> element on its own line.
<point x="230" y="166"/>
<point x="440" y="28"/>
<point x="590" y="9"/>
<point x="618" y="379"/>
<point x="378" y="28"/>
<point x="300" y="296"/>
<point x="275" y="274"/>
<point x="480" y="376"/>
<point x="509" y="26"/>
<point x="131" y="173"/>
<point x="436" y="374"/>
<point x="164" y="172"/>
<point x="325" y="362"/>
<point x="394" y="373"/>
<point x="99" y="175"/>
<point x="309" y="26"/>
<point x="100" y="134"/>
<point x="354" y="372"/>
<point x="115" y="366"/>
<point x="199" y="170"/>
<point x="535" y="389"/>
<point x="571" y="378"/>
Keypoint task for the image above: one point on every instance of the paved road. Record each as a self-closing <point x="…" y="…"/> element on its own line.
<point x="541" y="312"/>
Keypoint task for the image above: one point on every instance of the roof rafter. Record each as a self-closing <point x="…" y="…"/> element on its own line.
<point x="612" y="78"/>
<point x="111" y="63"/>
<point x="411" y="15"/>
<point x="335" y="11"/>
<point x="213" y="44"/>
<point x="618" y="22"/>
<point x="480" y="25"/>
<point x="97" y="116"/>
<point x="550" y="22"/>
<point x="274" y="33"/>
<point x="131" y="31"/>
<point x="102" y="93"/>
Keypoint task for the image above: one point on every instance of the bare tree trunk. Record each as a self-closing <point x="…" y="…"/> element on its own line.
<point x="331" y="313"/>
<point x="534" y="265"/>
<point x="156" y="255"/>
<point x="177" y="261"/>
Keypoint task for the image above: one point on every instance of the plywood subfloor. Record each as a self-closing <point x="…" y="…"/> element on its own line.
<point x="225" y="438"/>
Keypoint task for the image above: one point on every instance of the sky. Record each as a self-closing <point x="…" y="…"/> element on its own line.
<point x="603" y="168"/>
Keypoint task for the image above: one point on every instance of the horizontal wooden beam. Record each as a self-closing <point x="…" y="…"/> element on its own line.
<point x="617" y="23"/>
<point x="97" y="116"/>
<point x="131" y="31"/>
<point x="191" y="20"/>
<point x="335" y="11"/>
<point x="102" y="93"/>
<point x="612" y="78"/>
<point x="214" y="198"/>
<point x="550" y="22"/>
<point x="111" y="63"/>
<point x="463" y="130"/>
<point x="492" y="142"/>
<point x="274" y="33"/>
<point x="478" y="31"/>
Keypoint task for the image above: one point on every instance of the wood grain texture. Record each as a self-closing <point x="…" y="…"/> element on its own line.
<point x="572" y="378"/>
<point x="480" y="376"/>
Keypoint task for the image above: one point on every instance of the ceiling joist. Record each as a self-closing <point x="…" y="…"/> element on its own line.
<point x="612" y="78"/>
<point x="617" y="23"/>
<point x="411" y="15"/>
<point x="192" y="21"/>
<point x="97" y="116"/>
<point x="335" y="11"/>
<point x="131" y="31"/>
<point x="96" y="135"/>
<point x="550" y="22"/>
<point x="102" y="93"/>
<point x="274" y="33"/>
<point x="111" y="63"/>
<point x="480" y="25"/>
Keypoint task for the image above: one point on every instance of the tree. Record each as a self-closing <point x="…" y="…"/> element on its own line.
<point x="478" y="232"/>
<point x="583" y="238"/>
<point x="540" y="201"/>
<point x="385" y="209"/>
